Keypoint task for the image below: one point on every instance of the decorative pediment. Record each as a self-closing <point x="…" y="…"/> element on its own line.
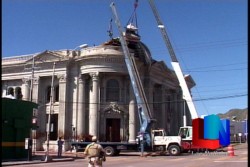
<point x="48" y="56"/>
<point x="113" y="108"/>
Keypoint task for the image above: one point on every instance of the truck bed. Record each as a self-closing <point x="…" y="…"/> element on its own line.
<point x="111" y="148"/>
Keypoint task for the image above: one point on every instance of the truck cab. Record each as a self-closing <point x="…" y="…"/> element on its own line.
<point x="186" y="133"/>
<point x="162" y="142"/>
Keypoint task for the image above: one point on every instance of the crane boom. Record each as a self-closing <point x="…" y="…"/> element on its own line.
<point x="175" y="63"/>
<point x="143" y="108"/>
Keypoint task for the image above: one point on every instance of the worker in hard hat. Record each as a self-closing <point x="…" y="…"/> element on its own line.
<point x="95" y="153"/>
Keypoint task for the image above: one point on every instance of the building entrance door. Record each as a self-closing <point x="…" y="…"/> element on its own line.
<point x="113" y="130"/>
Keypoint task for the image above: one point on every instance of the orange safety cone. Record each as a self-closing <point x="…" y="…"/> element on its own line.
<point x="230" y="150"/>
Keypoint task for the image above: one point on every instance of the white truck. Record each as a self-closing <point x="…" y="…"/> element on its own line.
<point x="160" y="142"/>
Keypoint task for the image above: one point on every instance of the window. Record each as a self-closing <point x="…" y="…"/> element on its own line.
<point x="56" y="93"/>
<point x="48" y="94"/>
<point x="112" y="90"/>
<point x="10" y="91"/>
<point x="53" y="126"/>
<point x="18" y="93"/>
<point x="158" y="133"/>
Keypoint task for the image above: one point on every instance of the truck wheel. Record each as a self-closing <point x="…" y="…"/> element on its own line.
<point x="110" y="151"/>
<point x="174" y="150"/>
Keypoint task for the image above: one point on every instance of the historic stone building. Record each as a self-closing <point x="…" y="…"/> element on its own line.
<point x="92" y="92"/>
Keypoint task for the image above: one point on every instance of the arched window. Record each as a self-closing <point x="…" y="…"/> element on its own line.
<point x="18" y="93"/>
<point x="10" y="91"/>
<point x="112" y="90"/>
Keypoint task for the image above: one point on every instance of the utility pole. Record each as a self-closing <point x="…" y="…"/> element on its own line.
<point x="31" y="98"/>
<point x="47" y="157"/>
<point x="32" y="77"/>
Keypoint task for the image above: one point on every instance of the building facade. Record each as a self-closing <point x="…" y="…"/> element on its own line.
<point x="238" y="131"/>
<point x="92" y="93"/>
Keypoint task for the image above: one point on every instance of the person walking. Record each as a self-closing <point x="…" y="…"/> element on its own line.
<point x="95" y="153"/>
<point x="60" y="146"/>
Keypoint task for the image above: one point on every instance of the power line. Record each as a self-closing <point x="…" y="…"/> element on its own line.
<point x="219" y="70"/>
<point x="169" y="101"/>
<point x="223" y="97"/>
<point x="220" y="65"/>
<point x="218" y="85"/>
<point x="203" y="45"/>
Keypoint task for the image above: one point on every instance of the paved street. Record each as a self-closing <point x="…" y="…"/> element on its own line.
<point x="219" y="159"/>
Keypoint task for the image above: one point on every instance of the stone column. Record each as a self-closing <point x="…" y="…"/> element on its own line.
<point x="175" y="114"/>
<point x="35" y="91"/>
<point x="163" y="109"/>
<point x="132" y="122"/>
<point x="62" y="116"/>
<point x="132" y="133"/>
<point x="25" y="89"/>
<point x="81" y="108"/>
<point x="93" y="104"/>
<point x="150" y="98"/>
<point x="168" y="111"/>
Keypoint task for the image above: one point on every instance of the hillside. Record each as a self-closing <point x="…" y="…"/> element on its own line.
<point x="239" y="114"/>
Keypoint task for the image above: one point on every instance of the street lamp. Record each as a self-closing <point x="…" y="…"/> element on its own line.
<point x="47" y="157"/>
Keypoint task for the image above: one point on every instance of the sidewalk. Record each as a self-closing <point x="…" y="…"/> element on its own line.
<point x="71" y="156"/>
<point x="238" y="146"/>
<point x="39" y="157"/>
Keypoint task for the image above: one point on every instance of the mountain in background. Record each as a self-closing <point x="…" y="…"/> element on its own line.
<point x="236" y="114"/>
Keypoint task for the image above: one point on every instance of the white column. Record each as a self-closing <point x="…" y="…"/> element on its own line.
<point x="25" y="89"/>
<point x="132" y="121"/>
<point x="35" y="92"/>
<point x="63" y="125"/>
<point x="81" y="108"/>
<point x="93" y="104"/>
<point x="132" y="134"/>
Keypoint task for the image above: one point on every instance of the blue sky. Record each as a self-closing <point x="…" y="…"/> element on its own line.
<point x="209" y="38"/>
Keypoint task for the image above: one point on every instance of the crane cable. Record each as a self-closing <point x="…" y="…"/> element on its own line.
<point x="110" y="30"/>
<point x="133" y="15"/>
